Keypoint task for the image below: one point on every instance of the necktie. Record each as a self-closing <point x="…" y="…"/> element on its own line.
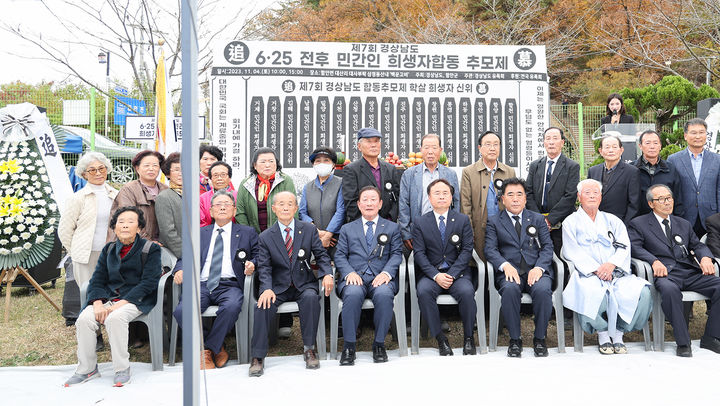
<point x="216" y="262"/>
<point x="548" y="176"/>
<point x="288" y="242"/>
<point x="491" y="202"/>
<point x="666" y="224"/>
<point x="369" y="234"/>
<point x="518" y="227"/>
<point x="441" y="227"/>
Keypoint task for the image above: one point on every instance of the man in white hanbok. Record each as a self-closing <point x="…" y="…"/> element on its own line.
<point x="606" y="296"/>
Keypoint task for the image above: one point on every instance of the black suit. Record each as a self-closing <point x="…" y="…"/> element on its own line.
<point x="359" y="174"/>
<point x="713" y="233"/>
<point x="434" y="255"/>
<point x="290" y="279"/>
<point x="621" y="193"/>
<point x="561" y="194"/>
<point x="650" y="243"/>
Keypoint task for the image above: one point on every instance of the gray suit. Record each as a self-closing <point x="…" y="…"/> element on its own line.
<point x="700" y="200"/>
<point x="412" y="192"/>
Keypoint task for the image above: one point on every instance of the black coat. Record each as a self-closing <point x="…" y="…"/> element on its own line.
<point x="713" y="233"/>
<point x="563" y="188"/>
<point x="126" y="278"/>
<point x="357" y="175"/>
<point x="624" y="119"/>
<point x="621" y="195"/>
<point x="665" y="174"/>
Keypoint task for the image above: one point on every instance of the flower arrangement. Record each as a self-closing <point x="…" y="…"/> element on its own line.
<point x="28" y="212"/>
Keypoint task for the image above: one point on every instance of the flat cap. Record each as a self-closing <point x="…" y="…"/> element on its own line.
<point x="368" y="133"/>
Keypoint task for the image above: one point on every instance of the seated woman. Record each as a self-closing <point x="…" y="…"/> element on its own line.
<point x="123" y="286"/>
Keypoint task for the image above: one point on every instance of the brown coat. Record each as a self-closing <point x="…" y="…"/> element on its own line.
<point x="133" y="194"/>
<point x="473" y="195"/>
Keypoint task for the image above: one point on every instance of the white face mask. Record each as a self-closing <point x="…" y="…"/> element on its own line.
<point x="323" y="169"/>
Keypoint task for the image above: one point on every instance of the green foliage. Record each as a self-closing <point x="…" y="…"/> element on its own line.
<point x="669" y="150"/>
<point x="664" y="96"/>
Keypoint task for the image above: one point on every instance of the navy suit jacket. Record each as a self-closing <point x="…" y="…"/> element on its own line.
<point x="702" y="199"/>
<point x="622" y="193"/>
<point x="430" y="250"/>
<point x="353" y="255"/>
<point x="243" y="237"/>
<point x="274" y="268"/>
<point x="502" y="243"/>
<point x="649" y="242"/>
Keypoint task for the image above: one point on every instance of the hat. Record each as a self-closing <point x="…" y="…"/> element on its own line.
<point x="368" y="133"/>
<point x="328" y="152"/>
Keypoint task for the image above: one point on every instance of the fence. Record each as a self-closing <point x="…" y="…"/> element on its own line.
<point x="578" y="122"/>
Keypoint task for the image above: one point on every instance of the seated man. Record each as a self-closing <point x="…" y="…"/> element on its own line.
<point x="606" y="296"/>
<point x="679" y="262"/>
<point x="368" y="255"/>
<point x="443" y="246"/>
<point x="226" y="252"/>
<point x="518" y="245"/>
<point x="283" y="258"/>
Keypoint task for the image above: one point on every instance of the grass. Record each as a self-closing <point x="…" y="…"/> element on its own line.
<point x="36" y="334"/>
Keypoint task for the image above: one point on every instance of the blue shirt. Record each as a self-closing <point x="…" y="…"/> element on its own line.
<point x="696" y="164"/>
<point x="428" y="177"/>
<point x="491" y="201"/>
<point x="338" y="217"/>
<point x="292" y="229"/>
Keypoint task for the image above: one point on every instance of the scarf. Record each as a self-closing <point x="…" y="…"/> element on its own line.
<point x="264" y="188"/>
<point x="176" y="188"/>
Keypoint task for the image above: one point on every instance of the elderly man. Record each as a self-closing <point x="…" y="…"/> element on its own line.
<point x="414" y="200"/>
<point x="369" y="253"/>
<point x="222" y="274"/>
<point x="606" y="296"/>
<point x="699" y="171"/>
<point x="519" y="247"/>
<point x="654" y="170"/>
<point x="679" y="262"/>
<point x="480" y="184"/>
<point x="620" y="189"/>
<point x="282" y="265"/>
<point x="370" y="171"/>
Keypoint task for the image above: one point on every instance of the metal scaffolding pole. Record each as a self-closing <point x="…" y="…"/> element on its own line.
<point x="191" y="215"/>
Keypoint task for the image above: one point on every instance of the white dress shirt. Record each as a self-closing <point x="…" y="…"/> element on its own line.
<point x="227" y="269"/>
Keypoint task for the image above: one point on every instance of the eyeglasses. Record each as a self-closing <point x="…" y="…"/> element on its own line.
<point x="95" y="171"/>
<point x="491" y="146"/>
<point x="219" y="175"/>
<point x="663" y="199"/>
<point x="176" y="170"/>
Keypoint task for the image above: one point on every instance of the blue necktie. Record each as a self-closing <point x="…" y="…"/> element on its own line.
<point x="441" y="227"/>
<point x="216" y="262"/>
<point x="492" y="203"/>
<point x="369" y="234"/>
<point x="548" y="176"/>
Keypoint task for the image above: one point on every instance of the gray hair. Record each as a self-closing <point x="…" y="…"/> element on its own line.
<point x="615" y="137"/>
<point x="694" y="121"/>
<point x="649" y="195"/>
<point x="282" y="193"/>
<point x="221" y="193"/>
<point x="89" y="158"/>
<point x="587" y="182"/>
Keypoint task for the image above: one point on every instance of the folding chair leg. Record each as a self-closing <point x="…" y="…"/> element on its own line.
<point x="578" y="334"/>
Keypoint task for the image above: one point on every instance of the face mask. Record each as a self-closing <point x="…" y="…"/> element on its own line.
<point x="323" y="169"/>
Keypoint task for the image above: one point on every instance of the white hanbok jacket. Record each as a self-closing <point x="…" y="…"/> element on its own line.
<point x="587" y="244"/>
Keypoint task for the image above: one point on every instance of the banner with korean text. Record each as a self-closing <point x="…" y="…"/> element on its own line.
<point x="296" y="96"/>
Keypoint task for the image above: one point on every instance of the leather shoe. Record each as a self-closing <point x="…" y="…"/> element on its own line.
<point x="539" y="347"/>
<point x="257" y="367"/>
<point x="311" y="360"/>
<point x="379" y="354"/>
<point x="684" y="351"/>
<point x="710" y="343"/>
<point x="347" y="357"/>
<point x="444" y="347"/>
<point x="221" y="358"/>
<point x="206" y="360"/>
<point x="515" y="348"/>
<point x="469" y="346"/>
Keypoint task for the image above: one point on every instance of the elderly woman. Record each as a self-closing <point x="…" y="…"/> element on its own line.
<point x="220" y="174"/>
<point x="266" y="180"/>
<point x="142" y="192"/>
<point x="123" y="287"/>
<point x="168" y="207"/>
<point x="209" y="154"/>
<point x="84" y="222"/>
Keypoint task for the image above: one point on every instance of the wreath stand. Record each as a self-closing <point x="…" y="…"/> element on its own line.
<point x="8" y="276"/>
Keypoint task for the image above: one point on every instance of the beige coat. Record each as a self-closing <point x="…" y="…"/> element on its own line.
<point x="133" y="194"/>
<point x="77" y="223"/>
<point x="473" y="195"/>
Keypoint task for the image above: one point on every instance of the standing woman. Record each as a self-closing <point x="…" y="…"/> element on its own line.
<point x="168" y="207"/>
<point x="266" y="180"/>
<point x="142" y="192"/>
<point x="84" y="222"/>
<point x="615" y="110"/>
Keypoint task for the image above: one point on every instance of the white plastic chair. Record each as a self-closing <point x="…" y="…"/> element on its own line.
<point x="446" y="299"/>
<point x="336" y="304"/>
<point x="495" y="304"/>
